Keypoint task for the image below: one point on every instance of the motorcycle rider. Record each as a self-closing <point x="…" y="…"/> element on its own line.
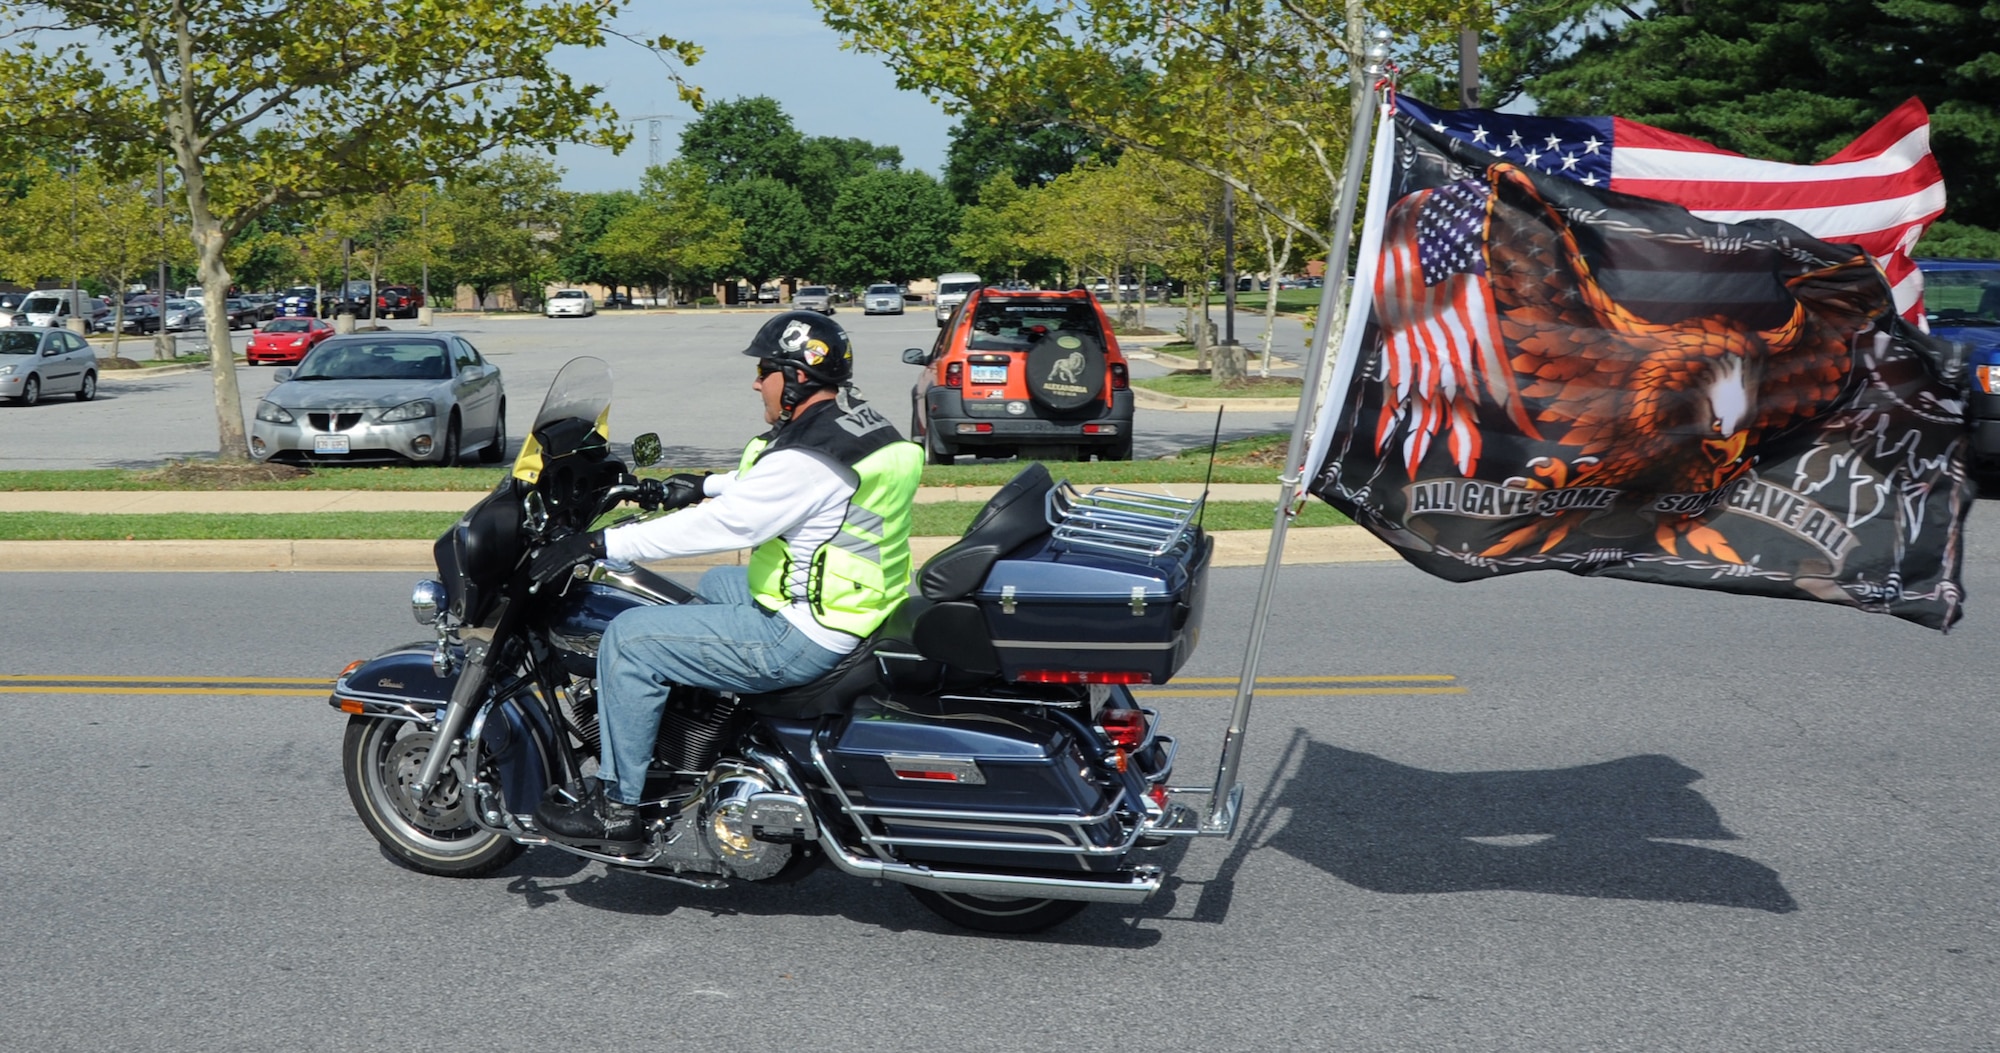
<point x="823" y="499"/>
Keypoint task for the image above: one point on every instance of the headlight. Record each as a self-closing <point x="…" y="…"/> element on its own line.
<point x="272" y="412"/>
<point x="6" y="371"/>
<point x="416" y="409"/>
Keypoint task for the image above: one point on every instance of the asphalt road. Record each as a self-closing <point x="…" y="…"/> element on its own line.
<point x="678" y="374"/>
<point x="1650" y="819"/>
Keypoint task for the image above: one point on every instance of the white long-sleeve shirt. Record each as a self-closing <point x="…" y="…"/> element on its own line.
<point x="788" y="493"/>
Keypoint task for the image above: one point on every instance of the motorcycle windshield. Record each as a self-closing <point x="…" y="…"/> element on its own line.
<point x="580" y="391"/>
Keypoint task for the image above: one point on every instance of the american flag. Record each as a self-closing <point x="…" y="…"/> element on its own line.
<point x="1879" y="193"/>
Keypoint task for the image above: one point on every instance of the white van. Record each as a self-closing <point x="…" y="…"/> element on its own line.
<point x="52" y="307"/>
<point x="951" y="291"/>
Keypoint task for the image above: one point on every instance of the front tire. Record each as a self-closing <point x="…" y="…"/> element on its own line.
<point x="380" y="758"/>
<point x="987" y="914"/>
<point x="448" y="457"/>
<point x="496" y="449"/>
<point x="31" y="391"/>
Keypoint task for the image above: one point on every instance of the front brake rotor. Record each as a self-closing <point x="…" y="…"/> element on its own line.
<point x="445" y="810"/>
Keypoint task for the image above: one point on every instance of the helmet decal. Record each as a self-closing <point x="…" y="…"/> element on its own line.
<point x="796" y="335"/>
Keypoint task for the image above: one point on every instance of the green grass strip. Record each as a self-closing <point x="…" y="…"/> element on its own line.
<point x="946" y="519"/>
<point x="1203" y="386"/>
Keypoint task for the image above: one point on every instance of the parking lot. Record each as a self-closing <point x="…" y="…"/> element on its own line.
<point x="678" y="374"/>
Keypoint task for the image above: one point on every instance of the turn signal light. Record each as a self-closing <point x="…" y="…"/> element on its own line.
<point x="352" y="705"/>
<point x="351" y="667"/>
<point x="1989" y="379"/>
<point x="1059" y="676"/>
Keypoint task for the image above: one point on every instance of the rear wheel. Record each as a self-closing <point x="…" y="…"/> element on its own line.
<point x="89" y="389"/>
<point x="498" y="447"/>
<point x="380" y="759"/>
<point x="932" y="453"/>
<point x="987" y="914"/>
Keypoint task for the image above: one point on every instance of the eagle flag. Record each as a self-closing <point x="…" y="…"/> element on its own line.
<point x="1880" y="192"/>
<point x="1540" y="373"/>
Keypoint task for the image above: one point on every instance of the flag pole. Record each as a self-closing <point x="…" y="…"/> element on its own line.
<point x="1227" y="794"/>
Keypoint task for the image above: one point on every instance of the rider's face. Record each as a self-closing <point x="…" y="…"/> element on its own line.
<point x="771" y="388"/>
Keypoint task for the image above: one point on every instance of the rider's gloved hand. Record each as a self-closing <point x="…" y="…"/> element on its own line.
<point x="553" y="560"/>
<point x="680" y="491"/>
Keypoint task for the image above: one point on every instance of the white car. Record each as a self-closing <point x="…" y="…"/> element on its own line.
<point x="570" y="303"/>
<point x="882" y="299"/>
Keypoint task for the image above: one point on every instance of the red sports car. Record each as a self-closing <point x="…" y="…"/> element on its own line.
<point x="284" y="341"/>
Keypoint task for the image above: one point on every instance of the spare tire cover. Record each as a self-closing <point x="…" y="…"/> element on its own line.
<point x="1066" y="370"/>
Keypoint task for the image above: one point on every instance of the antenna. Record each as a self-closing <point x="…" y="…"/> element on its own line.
<point x="1214" y="441"/>
<point x="653" y="135"/>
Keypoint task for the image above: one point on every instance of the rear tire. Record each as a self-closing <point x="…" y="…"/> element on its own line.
<point x="986" y="914"/>
<point x="932" y="455"/>
<point x="380" y="758"/>
<point x="496" y="449"/>
<point x="89" y="389"/>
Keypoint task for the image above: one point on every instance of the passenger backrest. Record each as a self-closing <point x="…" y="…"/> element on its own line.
<point x="1015" y="516"/>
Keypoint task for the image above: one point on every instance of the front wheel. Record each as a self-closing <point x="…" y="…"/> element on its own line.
<point x="380" y="759"/>
<point x="987" y="914"/>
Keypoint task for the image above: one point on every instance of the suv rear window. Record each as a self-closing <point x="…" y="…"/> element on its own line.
<point x="812" y="290"/>
<point x="1002" y="324"/>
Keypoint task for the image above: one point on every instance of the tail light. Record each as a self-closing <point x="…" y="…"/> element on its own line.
<point x="1124" y="727"/>
<point x="1060" y="676"/>
<point x="954" y="375"/>
<point x="1120" y="378"/>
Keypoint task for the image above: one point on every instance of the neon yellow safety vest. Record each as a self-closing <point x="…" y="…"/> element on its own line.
<point x="856" y="578"/>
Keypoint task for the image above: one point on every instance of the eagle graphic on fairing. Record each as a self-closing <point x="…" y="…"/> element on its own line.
<point x="1491" y="319"/>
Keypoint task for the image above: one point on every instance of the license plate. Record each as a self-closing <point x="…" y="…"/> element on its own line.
<point x="989" y="374"/>
<point x="330" y="444"/>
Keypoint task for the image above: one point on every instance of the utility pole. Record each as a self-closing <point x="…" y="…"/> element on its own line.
<point x="1468" y="69"/>
<point x="653" y="121"/>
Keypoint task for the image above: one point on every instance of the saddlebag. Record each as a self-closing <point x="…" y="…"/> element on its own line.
<point x="960" y="781"/>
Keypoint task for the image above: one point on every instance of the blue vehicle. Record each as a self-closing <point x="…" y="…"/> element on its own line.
<point x="299" y="301"/>
<point x="1962" y="304"/>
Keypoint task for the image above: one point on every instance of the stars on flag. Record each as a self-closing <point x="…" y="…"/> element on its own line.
<point x="1579" y="148"/>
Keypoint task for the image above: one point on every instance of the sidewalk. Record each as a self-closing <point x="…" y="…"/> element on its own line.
<point x="1233" y="548"/>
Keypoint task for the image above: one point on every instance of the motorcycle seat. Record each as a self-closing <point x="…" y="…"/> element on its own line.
<point x="856" y="674"/>
<point x="1012" y="518"/>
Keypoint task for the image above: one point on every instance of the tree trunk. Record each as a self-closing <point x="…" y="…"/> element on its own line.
<point x="1276" y="260"/>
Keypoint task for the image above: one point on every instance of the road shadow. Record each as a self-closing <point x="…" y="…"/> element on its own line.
<point x="1592" y="830"/>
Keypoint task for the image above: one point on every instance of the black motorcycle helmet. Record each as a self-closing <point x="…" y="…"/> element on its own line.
<point x="813" y="352"/>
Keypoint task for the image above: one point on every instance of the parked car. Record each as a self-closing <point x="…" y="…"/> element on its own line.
<point x="141" y="318"/>
<point x="397" y="301"/>
<point x="353" y="298"/>
<point x="185" y="314"/>
<point x="617" y="301"/>
<point x="299" y="301"/>
<point x="569" y="303"/>
<point x="882" y="299"/>
<point x="1962" y="304"/>
<point x="36" y="361"/>
<point x="952" y="290"/>
<point x="242" y="313"/>
<point x="814" y="298"/>
<point x="53" y="307"/>
<point x="769" y="294"/>
<point x="265" y="303"/>
<point x="285" y="341"/>
<point x="385" y="396"/>
<point x="9" y="303"/>
<point x="1033" y="374"/>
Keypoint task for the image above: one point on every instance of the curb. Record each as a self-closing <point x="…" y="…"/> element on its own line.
<point x="155" y="371"/>
<point x="1233" y="548"/>
<point x="1154" y="400"/>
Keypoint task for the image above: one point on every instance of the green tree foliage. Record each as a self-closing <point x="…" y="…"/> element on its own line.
<point x="587" y="219"/>
<point x="491" y="223"/>
<point x="996" y="232"/>
<point x="676" y="233"/>
<point x="1032" y="148"/>
<point x="259" y="107"/>
<point x="779" y="234"/>
<point x="747" y="138"/>
<point x="1790" y="80"/>
<point x="828" y="162"/>
<point x="889" y="226"/>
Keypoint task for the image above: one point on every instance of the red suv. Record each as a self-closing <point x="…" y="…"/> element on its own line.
<point x="397" y="301"/>
<point x="1032" y="374"/>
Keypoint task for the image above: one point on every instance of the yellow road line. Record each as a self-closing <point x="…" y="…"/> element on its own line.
<point x="293" y="692"/>
<point x="325" y="681"/>
<point x="1398" y="678"/>
<point x="1169" y="692"/>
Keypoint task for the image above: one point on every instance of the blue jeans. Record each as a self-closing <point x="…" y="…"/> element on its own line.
<point x="726" y="644"/>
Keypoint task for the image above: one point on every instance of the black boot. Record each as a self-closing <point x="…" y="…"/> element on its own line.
<point x="582" y="814"/>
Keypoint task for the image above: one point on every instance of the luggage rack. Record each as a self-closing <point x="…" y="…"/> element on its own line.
<point x="1121" y="522"/>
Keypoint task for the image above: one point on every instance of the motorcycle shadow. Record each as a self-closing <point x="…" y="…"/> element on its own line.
<point x="546" y="876"/>
<point x="1594" y="830"/>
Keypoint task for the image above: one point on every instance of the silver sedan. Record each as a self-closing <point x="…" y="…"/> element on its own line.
<point x="882" y="299"/>
<point x="385" y="396"/>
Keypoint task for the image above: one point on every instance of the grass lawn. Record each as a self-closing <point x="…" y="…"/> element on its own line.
<point x="1252" y="460"/>
<point x="930" y="520"/>
<point x="1196" y="383"/>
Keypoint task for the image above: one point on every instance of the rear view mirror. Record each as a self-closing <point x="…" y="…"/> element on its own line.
<point x="646" y="450"/>
<point x="916" y="356"/>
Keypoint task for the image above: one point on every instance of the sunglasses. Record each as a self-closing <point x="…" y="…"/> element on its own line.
<point x="765" y="369"/>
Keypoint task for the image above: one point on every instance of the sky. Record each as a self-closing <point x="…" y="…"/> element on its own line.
<point x="778" y="48"/>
